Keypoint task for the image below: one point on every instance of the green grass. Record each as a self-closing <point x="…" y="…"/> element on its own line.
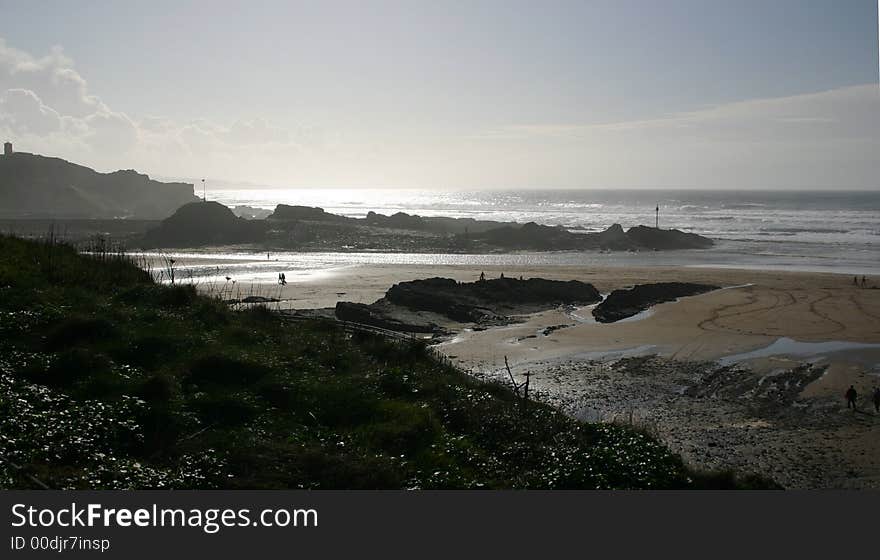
<point x="108" y="380"/>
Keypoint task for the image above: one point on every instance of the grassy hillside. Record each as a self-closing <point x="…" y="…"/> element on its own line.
<point x="108" y="380"/>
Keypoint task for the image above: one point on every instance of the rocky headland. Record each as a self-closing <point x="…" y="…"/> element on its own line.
<point x="34" y="186"/>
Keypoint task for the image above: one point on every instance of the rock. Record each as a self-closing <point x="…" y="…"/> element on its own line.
<point x="488" y="300"/>
<point x="374" y="316"/>
<point x="666" y="239"/>
<point x="400" y="220"/>
<point x="258" y="299"/>
<point x="621" y="304"/>
<point x="204" y="223"/>
<point x="536" y="237"/>
<point x="434" y="224"/>
<point x="613" y="238"/>
<point x="286" y="212"/>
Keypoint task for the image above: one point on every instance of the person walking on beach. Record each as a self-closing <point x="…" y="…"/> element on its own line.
<point x="876" y="399"/>
<point x="864" y="282"/>
<point x="851" y="396"/>
<point x="283" y="279"/>
<point x="482" y="276"/>
<point x="856" y="281"/>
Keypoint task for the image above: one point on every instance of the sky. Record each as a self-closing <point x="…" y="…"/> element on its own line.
<point x="468" y="94"/>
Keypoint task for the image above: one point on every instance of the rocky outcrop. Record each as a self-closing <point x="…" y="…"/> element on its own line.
<point x="433" y="224"/>
<point x="666" y="239"/>
<point x="204" y="223"/>
<point x="37" y="186"/>
<point x="621" y="304"/>
<point x="532" y="236"/>
<point x="285" y="212"/>
<point x="535" y="237"/>
<point x="489" y="300"/>
<point x="375" y="316"/>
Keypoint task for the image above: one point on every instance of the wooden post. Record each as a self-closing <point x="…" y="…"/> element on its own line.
<point x="526" y="391"/>
<point x="510" y="375"/>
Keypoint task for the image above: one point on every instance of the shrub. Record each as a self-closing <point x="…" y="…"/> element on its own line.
<point x="404" y="428"/>
<point x="342" y="405"/>
<point x="75" y="366"/>
<point x="218" y="370"/>
<point x="78" y="329"/>
<point x="227" y="410"/>
<point x="158" y="388"/>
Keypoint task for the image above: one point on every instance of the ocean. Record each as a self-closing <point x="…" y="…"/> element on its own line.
<point x="828" y="231"/>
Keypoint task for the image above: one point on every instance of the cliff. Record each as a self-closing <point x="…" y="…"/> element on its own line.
<point x="37" y="186"/>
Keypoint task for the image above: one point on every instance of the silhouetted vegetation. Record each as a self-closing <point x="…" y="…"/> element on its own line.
<point x="108" y="380"/>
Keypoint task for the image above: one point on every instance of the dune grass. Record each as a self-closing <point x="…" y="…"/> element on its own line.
<point x="109" y="380"/>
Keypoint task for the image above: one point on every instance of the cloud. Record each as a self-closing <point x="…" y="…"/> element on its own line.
<point x="22" y="112"/>
<point x="256" y="131"/>
<point x="52" y="77"/>
<point x="111" y="132"/>
<point x="46" y="106"/>
<point x="821" y="140"/>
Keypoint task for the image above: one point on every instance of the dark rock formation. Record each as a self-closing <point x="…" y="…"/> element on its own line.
<point x="376" y="316"/>
<point x="621" y="304"/>
<point x="435" y="224"/>
<point x="535" y="237"/>
<point x="286" y="212"/>
<point x="531" y="236"/>
<point x="400" y="220"/>
<point x="204" y="223"/>
<point x="489" y="299"/>
<point x="666" y="239"/>
<point x="38" y="186"/>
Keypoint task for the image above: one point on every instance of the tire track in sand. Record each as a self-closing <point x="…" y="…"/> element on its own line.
<point x="717" y="313"/>
<point x="711" y="324"/>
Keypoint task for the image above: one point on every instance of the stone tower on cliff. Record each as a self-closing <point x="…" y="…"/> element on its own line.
<point x="7" y="148"/>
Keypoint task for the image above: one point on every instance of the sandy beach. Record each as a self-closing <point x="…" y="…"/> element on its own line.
<point x="711" y="374"/>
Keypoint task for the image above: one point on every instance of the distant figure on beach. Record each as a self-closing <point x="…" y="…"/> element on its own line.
<point x="482" y="276"/>
<point x="864" y="282"/>
<point x="876" y="399"/>
<point x="851" y="396"/>
<point x="856" y="281"/>
<point x="283" y="279"/>
<point x="267" y="256"/>
<point x="502" y="275"/>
